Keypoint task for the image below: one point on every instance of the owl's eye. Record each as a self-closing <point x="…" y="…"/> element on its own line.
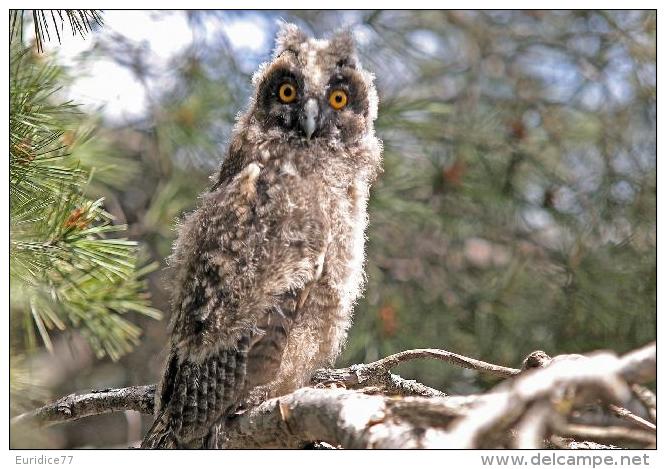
<point x="337" y="99"/>
<point x="287" y="93"/>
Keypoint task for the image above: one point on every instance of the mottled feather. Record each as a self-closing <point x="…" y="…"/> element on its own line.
<point x="269" y="265"/>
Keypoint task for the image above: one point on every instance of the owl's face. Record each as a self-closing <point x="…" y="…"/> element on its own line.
<point x="314" y="89"/>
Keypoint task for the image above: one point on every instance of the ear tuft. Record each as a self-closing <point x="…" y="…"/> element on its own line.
<point x="289" y="36"/>
<point x="343" y="45"/>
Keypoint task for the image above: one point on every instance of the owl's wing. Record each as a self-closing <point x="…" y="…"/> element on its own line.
<point x="232" y="164"/>
<point x="205" y="372"/>
<point x="211" y="332"/>
<point x="194" y="396"/>
<point x="204" y="375"/>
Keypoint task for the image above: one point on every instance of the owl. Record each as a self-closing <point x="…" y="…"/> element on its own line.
<point x="269" y="266"/>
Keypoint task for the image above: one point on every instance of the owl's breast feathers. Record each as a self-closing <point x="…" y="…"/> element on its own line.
<point x="320" y="185"/>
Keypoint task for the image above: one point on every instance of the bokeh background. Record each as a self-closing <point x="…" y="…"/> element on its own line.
<point x="517" y="209"/>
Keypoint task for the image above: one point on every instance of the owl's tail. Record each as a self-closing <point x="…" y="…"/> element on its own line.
<point x="195" y="398"/>
<point x="160" y="435"/>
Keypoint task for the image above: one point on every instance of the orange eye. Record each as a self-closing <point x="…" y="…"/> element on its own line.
<point x="287" y="93"/>
<point x="337" y="99"/>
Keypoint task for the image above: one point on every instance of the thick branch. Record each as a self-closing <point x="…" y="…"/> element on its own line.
<point x="570" y="443"/>
<point x="347" y="418"/>
<point x="640" y="366"/>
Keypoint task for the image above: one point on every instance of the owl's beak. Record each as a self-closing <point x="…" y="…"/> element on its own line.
<point x="311" y="111"/>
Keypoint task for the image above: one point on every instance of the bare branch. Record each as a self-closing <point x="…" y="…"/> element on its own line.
<point x="359" y="377"/>
<point x="459" y="360"/>
<point x="76" y="406"/>
<point x="640" y="366"/>
<point x="378" y="373"/>
<point x="647" y="398"/>
<point x="606" y="434"/>
<point x="634" y="419"/>
<point x="570" y="443"/>
<point x="532" y="427"/>
<point x="534" y="406"/>
<point x="342" y="417"/>
<point x="568" y="378"/>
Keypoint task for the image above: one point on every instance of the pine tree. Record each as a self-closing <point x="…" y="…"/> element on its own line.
<point x="70" y="266"/>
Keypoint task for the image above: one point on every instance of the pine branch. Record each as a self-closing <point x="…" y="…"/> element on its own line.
<point x="81" y="22"/>
<point x="68" y="267"/>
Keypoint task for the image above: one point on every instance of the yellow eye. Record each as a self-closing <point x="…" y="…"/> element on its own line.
<point x="287" y="93"/>
<point x="337" y="99"/>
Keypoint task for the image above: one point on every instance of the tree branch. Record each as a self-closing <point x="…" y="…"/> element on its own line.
<point x="647" y="398"/>
<point x="77" y="406"/>
<point x="382" y="410"/>
<point x="608" y="434"/>
<point x="629" y="416"/>
<point x="459" y="360"/>
<point x="567" y="380"/>
<point x="346" y="418"/>
<point x="378" y="374"/>
<point x="640" y="366"/>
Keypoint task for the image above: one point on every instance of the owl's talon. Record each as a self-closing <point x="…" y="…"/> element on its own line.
<point x="256" y="397"/>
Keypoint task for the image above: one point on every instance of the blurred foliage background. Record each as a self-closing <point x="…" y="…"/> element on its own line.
<point x="517" y="209"/>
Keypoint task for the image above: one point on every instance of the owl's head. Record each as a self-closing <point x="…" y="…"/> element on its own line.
<point x="314" y="89"/>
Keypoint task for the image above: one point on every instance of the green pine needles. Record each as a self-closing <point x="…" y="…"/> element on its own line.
<point x="70" y="267"/>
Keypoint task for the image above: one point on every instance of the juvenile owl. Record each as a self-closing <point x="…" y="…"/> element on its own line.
<point x="270" y="264"/>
